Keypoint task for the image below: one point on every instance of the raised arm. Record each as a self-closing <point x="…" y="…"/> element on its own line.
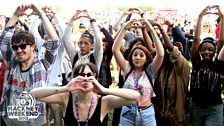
<point x="20" y="11"/>
<point x="195" y="46"/>
<point x="70" y="47"/>
<point x="8" y="32"/>
<point x="106" y="34"/>
<point x="49" y="11"/>
<point x="128" y="12"/>
<point x="148" y="40"/>
<point x="98" y="49"/>
<point x="118" y="43"/>
<point x="52" y="45"/>
<point x="46" y="22"/>
<point x="34" y="30"/>
<point x="158" y="59"/>
<point x="118" y="22"/>
<point x="221" y="36"/>
<point x="123" y="49"/>
<point x="167" y="42"/>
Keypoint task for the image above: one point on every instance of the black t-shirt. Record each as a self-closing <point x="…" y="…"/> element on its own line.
<point x="70" y="120"/>
<point x="206" y="82"/>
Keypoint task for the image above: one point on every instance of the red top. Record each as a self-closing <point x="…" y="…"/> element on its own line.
<point x="2" y="72"/>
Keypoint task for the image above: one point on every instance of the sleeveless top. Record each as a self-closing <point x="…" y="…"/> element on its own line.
<point x="70" y="120"/>
<point x="144" y="85"/>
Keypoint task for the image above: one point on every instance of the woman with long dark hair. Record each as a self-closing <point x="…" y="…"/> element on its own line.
<point x="80" y="99"/>
<point x="139" y="70"/>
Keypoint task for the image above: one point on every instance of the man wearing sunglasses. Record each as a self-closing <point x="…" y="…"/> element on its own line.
<point x="25" y="70"/>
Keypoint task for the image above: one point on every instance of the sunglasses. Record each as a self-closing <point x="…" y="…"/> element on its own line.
<point x="87" y="74"/>
<point x="16" y="47"/>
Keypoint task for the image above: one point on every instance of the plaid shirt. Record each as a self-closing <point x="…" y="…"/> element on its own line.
<point x="37" y="72"/>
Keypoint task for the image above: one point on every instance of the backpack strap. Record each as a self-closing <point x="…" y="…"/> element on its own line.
<point x="126" y="76"/>
<point x="91" y="59"/>
<point x="147" y="74"/>
<point x="75" y="60"/>
<point x="149" y="77"/>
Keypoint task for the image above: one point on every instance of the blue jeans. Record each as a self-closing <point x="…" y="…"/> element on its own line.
<point x="206" y="115"/>
<point x="145" y="117"/>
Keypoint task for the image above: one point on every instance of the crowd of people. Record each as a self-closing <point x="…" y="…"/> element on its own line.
<point x="170" y="73"/>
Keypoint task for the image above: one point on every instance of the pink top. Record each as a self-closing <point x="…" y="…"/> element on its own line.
<point x="144" y="86"/>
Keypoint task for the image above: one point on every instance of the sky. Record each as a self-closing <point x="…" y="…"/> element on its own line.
<point x="67" y="6"/>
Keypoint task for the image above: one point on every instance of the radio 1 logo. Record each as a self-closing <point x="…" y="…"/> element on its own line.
<point x="24" y="109"/>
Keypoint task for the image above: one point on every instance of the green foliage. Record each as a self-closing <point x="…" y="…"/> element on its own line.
<point x="147" y="8"/>
<point x="166" y="8"/>
<point x="122" y="8"/>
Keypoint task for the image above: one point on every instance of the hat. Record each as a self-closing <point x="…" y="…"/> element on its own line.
<point x="87" y="34"/>
<point x="209" y="40"/>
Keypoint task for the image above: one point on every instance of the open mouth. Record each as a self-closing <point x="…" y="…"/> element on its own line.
<point x="207" y="57"/>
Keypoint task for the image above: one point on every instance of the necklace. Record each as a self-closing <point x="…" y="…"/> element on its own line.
<point x="134" y="107"/>
<point x="77" y="110"/>
<point x="136" y="79"/>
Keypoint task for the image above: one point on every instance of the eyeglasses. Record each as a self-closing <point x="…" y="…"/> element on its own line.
<point x="87" y="74"/>
<point x="16" y="47"/>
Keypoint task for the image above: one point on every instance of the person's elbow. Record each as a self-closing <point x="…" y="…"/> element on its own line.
<point x="114" y="50"/>
<point x="136" y="96"/>
<point x="161" y="54"/>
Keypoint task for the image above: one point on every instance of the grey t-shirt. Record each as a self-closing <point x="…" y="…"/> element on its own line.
<point x="14" y="99"/>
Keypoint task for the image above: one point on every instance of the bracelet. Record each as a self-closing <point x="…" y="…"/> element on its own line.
<point x="92" y="20"/>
